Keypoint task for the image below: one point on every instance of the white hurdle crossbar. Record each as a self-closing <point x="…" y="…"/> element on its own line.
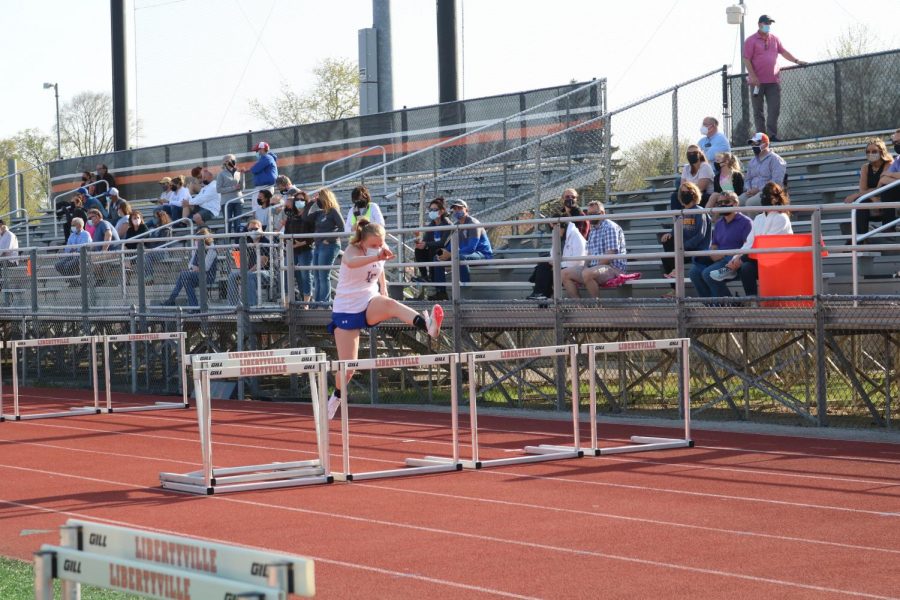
<point x="15" y="345"/>
<point x="230" y="365"/>
<point x="642" y="443"/>
<point x="415" y="466"/>
<point x="134" y="338"/>
<point x="533" y="453"/>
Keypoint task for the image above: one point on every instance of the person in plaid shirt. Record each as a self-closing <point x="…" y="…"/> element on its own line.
<point x="606" y="237"/>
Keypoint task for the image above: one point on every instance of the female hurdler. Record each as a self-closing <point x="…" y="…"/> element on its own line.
<point x="361" y="299"/>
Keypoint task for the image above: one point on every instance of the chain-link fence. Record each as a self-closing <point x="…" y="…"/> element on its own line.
<point x="827" y="98"/>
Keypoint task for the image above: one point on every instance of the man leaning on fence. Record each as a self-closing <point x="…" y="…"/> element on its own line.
<point x="606" y="237"/>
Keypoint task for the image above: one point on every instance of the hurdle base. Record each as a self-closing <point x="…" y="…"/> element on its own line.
<point x="248" y="477"/>
<point x="645" y="444"/>
<point x="534" y="454"/>
<point x="154" y="406"/>
<point x="72" y="412"/>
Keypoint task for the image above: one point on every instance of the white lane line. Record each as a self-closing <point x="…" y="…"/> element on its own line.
<point x="494" y="539"/>
<point x="349" y="565"/>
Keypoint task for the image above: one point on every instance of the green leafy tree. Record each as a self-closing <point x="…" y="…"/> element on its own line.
<point x="30" y="148"/>
<point x="334" y="95"/>
<point x="649" y="158"/>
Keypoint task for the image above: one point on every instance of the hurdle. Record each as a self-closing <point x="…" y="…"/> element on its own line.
<point x="641" y="443"/>
<point x="533" y="453"/>
<point x="415" y="466"/>
<point x="230" y="365"/>
<point x="133" y="338"/>
<point x="15" y="345"/>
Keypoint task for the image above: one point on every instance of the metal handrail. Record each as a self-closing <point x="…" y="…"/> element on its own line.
<point x="21" y="171"/>
<point x="171" y="225"/>
<point x="354" y="155"/>
<point x="853" y="232"/>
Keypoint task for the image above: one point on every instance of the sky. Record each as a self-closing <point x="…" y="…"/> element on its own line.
<point x="197" y="63"/>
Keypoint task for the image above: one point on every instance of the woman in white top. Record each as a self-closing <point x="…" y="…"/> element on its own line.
<point x="574" y="246"/>
<point x="771" y="222"/>
<point x="361" y="299"/>
<point x="699" y="172"/>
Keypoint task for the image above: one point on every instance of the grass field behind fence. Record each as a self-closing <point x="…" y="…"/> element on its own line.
<point x="17" y="583"/>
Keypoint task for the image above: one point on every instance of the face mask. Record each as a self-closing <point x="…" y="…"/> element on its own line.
<point x="765" y="29"/>
<point x="897" y="148"/>
<point x="569" y="203"/>
<point x="207" y="181"/>
<point x="361" y="204"/>
<point x="255" y="233"/>
<point x="765" y="200"/>
<point x="693" y="157"/>
<point x="756" y="150"/>
<point x="299" y="205"/>
<point x="373" y="251"/>
<point x="685" y="198"/>
<point x="259" y="155"/>
<point x="319" y="203"/>
<point x="459" y="215"/>
<point x="872" y="157"/>
<point x="704" y="130"/>
<point x="433" y="215"/>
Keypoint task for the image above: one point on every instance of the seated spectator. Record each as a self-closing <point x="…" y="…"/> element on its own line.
<point x="103" y="174"/>
<point x="729" y="178"/>
<point x="9" y="246"/>
<point x="771" y="222"/>
<point x="257" y="267"/>
<point x="697" y="171"/>
<point x="136" y="227"/>
<point x="430" y="244"/>
<point x="893" y="173"/>
<point x="206" y="205"/>
<point x="573" y="245"/>
<point x="123" y="211"/>
<point x="176" y="198"/>
<point x="113" y="201"/>
<point x="70" y="210"/>
<point x="68" y="265"/>
<point x="103" y="232"/>
<point x="229" y="183"/>
<point x="729" y="233"/>
<point x="189" y="280"/>
<point x="160" y="234"/>
<point x="363" y="208"/>
<point x="606" y="237"/>
<point x="713" y="141"/>
<point x="265" y="170"/>
<point x="165" y="194"/>
<point x="878" y="162"/>
<point x="765" y="167"/>
<point x="696" y="229"/>
<point x="570" y="201"/>
<point x="91" y="202"/>
<point x="473" y="242"/>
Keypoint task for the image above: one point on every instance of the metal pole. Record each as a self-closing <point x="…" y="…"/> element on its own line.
<point x="678" y="233"/>
<point x="381" y="21"/>
<point x="537" y="183"/>
<point x="607" y="157"/>
<point x="119" y="44"/>
<point x="43" y="575"/>
<point x="13" y="184"/>
<point x="58" y="135"/>
<point x="69" y="538"/>
<point x="675" y="130"/>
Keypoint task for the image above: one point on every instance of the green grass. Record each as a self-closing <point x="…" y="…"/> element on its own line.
<point x="17" y="583"/>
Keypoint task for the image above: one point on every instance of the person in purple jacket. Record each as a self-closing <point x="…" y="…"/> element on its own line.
<point x="265" y="171"/>
<point x="730" y="233"/>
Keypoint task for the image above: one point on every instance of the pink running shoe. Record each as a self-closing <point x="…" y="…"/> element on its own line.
<point x="434" y="320"/>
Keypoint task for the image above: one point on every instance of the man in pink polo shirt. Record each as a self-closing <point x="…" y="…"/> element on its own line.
<point x="761" y="52"/>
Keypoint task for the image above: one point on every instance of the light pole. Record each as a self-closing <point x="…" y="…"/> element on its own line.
<point x="55" y="87"/>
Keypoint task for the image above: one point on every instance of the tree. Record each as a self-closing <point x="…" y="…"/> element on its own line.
<point x="334" y="95"/>
<point x="855" y="40"/>
<point x="32" y="148"/>
<point x="86" y="124"/>
<point x="648" y="158"/>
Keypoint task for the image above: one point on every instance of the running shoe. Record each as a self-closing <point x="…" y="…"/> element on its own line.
<point x="434" y="320"/>
<point x="723" y="274"/>
<point x="334" y="403"/>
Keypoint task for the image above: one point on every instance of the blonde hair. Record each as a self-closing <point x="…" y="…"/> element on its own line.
<point x="328" y="199"/>
<point x="729" y="159"/>
<point x="882" y="149"/>
<point x="365" y="229"/>
<point x="693" y="189"/>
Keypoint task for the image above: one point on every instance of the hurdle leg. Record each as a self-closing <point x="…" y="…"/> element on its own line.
<point x="15" y="383"/>
<point x="576" y="398"/>
<point x="107" y="375"/>
<point x="473" y="413"/>
<point x="94" y="375"/>
<point x="183" y="358"/>
<point x="592" y="383"/>
<point x="345" y="425"/>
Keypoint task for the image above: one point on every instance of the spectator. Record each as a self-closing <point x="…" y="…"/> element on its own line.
<point x="136" y="227"/>
<point x="696" y="171"/>
<point x="573" y="244"/>
<point x="730" y="233"/>
<point x="363" y="208"/>
<point x="765" y="167"/>
<point x="69" y="211"/>
<point x="179" y="194"/>
<point x="299" y="219"/>
<point x="123" y="211"/>
<point x="113" y="201"/>
<point x="569" y="200"/>
<point x="103" y="231"/>
<point x="430" y="244"/>
<point x="473" y="242"/>
<point x="166" y="194"/>
<point x="9" y="244"/>
<point x="207" y="203"/>
<point x="189" y="280"/>
<point x="229" y="184"/>
<point x="92" y="202"/>
<point x="284" y="188"/>
<point x="161" y="232"/>
<point x="761" y="52"/>
<point x="893" y="174"/>
<point x="713" y="141"/>
<point x="68" y="265"/>
<point x="771" y="222"/>
<point x="265" y="171"/>
<point x="729" y="178"/>
<point x="103" y="174"/>
<point x="261" y="206"/>
<point x="328" y="220"/>
<point x="257" y="267"/>
<point x="878" y="162"/>
<point x="196" y="171"/>
<point x="605" y="238"/>
<point x="696" y="228"/>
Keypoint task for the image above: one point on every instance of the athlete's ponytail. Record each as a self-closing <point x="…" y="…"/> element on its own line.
<point x="365" y="229"/>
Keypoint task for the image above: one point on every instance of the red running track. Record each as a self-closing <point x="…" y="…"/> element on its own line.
<point x="738" y="516"/>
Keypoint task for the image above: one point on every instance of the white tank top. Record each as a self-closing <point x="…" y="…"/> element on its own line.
<point x="356" y="287"/>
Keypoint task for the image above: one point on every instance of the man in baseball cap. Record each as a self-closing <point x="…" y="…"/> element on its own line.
<point x="261" y="147"/>
<point x="265" y="171"/>
<point x="473" y="241"/>
<point x="765" y="166"/>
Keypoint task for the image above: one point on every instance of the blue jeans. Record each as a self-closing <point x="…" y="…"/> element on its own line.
<point x="304" y="258"/>
<point x="324" y="255"/>
<point x="188" y="281"/>
<point x="463" y="269"/>
<point x="233" y="210"/>
<point x="234" y="289"/>
<point x="706" y="286"/>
